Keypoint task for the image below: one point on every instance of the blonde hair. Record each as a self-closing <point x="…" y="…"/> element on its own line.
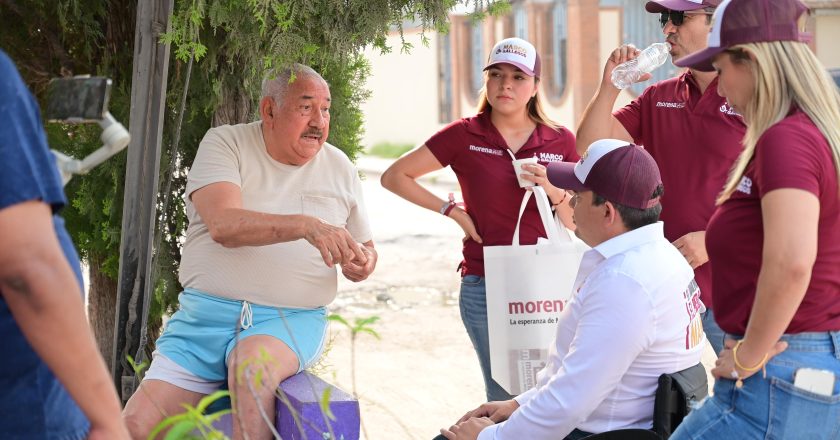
<point x="534" y="106"/>
<point x="786" y="74"/>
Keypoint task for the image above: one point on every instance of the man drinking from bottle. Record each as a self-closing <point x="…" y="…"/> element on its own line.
<point x="691" y="132"/>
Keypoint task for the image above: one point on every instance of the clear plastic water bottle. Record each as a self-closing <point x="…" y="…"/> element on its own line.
<point x="627" y="73"/>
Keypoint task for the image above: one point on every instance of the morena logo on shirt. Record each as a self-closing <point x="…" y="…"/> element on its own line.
<point x="486" y="150"/>
<point x="664" y="104"/>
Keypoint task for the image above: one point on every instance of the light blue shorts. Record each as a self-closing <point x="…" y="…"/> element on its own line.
<point x="202" y="333"/>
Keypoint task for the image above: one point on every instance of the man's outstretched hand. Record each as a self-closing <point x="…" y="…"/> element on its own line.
<point x="358" y="270"/>
<point x="335" y="244"/>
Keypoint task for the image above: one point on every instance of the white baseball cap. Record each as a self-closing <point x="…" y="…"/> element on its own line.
<point x="517" y="52"/>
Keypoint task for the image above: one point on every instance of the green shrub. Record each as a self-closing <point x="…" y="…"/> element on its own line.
<point x="389" y="150"/>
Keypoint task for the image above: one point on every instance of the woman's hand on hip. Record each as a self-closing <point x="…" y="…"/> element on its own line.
<point x="466" y="223"/>
<point x="726" y="367"/>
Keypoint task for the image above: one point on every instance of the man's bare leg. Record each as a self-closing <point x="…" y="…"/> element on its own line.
<point x="277" y="362"/>
<point x="154" y="401"/>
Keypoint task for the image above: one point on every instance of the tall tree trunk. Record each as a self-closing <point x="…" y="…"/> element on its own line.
<point x="235" y="106"/>
<point x="102" y="307"/>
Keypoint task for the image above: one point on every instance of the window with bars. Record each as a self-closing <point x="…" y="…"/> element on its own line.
<point x="520" y="22"/>
<point x="559" y="37"/>
<point x="642" y="29"/>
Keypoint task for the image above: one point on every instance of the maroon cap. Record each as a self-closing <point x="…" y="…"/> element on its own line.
<point x="620" y="172"/>
<point x="748" y="21"/>
<point x="657" y="6"/>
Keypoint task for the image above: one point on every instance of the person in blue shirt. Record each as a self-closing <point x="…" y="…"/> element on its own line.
<point x="53" y="382"/>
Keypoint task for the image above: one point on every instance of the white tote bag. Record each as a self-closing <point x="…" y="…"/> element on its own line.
<point x="527" y="288"/>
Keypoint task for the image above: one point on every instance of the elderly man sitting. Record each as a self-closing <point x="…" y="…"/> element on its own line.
<point x="273" y="211"/>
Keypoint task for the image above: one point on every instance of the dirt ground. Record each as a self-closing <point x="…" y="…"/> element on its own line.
<point x="422" y="374"/>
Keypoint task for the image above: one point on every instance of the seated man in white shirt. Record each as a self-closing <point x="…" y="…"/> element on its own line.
<point x="634" y="316"/>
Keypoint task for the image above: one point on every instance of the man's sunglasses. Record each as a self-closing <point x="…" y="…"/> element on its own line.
<point x="676" y="17"/>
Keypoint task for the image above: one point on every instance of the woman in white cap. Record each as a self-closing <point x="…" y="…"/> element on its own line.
<point x="774" y="241"/>
<point x="510" y="124"/>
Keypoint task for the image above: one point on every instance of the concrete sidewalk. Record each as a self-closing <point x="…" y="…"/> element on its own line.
<point x="373" y="167"/>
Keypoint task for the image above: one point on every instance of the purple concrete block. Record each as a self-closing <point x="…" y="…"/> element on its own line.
<point x="303" y="392"/>
<point x="224" y="424"/>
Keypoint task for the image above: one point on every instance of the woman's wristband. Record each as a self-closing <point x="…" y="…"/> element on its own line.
<point x="449" y="205"/>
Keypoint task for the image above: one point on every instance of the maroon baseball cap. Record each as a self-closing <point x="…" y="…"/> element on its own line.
<point x="657" y="6"/>
<point x="748" y="21"/>
<point x="620" y="172"/>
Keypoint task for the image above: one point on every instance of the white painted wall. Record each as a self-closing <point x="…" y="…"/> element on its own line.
<point x="827" y="35"/>
<point x="403" y="106"/>
<point x="609" y="24"/>
<point x="564" y="113"/>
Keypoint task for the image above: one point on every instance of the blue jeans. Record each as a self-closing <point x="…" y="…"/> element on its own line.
<point x="473" y="304"/>
<point x="773" y="408"/>
<point x="713" y="332"/>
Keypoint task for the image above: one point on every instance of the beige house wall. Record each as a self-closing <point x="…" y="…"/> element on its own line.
<point x="405" y="89"/>
<point x="565" y="113"/>
<point x="403" y="106"/>
<point x="827" y="37"/>
<point x="610" y="25"/>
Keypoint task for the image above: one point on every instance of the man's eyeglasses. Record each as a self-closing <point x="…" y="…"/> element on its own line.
<point x="574" y="200"/>
<point x="677" y="18"/>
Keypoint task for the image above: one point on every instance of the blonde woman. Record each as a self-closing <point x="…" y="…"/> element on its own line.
<point x="774" y="241"/>
<point x="510" y="124"/>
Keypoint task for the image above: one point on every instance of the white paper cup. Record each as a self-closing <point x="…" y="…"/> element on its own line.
<point x="517" y="168"/>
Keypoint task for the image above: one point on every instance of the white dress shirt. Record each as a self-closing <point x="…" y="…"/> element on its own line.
<point x="635" y="316"/>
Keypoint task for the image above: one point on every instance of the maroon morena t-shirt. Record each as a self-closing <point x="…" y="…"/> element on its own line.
<point x="695" y="139"/>
<point x="478" y="154"/>
<point x="791" y="154"/>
